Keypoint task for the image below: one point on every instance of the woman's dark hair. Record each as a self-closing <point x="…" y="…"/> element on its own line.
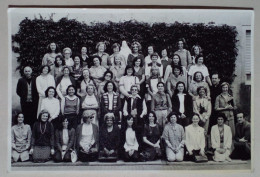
<point x="184" y="42"/>
<point x="114" y="86"/>
<point x="201" y="87"/>
<point x="171" y="114"/>
<point x="16" y="118"/>
<point x="160" y="83"/>
<point x="195" y="114"/>
<point x="128" y="67"/>
<point x="61" y="58"/>
<point x="98" y="57"/>
<point x="47" y="90"/>
<point x="137" y="58"/>
<point x="177" y="67"/>
<point x="154" y="115"/>
<point x="80" y="58"/>
<point x="62" y="119"/>
<point x="179" y="63"/>
<point x="110" y="72"/>
<point x="115" y="45"/>
<point x="128" y="118"/>
<point x="176" y="91"/>
<point x="154" y="54"/>
<point x="223" y="116"/>
<point x="41" y="113"/>
<point x="67" y="90"/>
<point x="42" y="67"/>
<point x="67" y="68"/>
<point x="57" y="50"/>
<point x="197" y="57"/>
<point x="194" y="76"/>
<point x="193" y="48"/>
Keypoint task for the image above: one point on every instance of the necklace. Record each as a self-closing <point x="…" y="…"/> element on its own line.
<point x="42" y="132"/>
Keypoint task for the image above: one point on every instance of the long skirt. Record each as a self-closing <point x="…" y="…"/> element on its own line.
<point x="41" y="153"/>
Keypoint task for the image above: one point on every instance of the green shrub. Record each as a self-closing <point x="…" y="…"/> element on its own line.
<point x="217" y="42"/>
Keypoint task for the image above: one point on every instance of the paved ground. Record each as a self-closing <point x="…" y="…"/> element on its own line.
<point x="120" y="165"/>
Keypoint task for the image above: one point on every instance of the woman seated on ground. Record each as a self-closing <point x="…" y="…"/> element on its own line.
<point x="21" y="139"/>
<point x="197" y="82"/>
<point x="195" y="138"/>
<point x="109" y="139"/>
<point x="63" y="82"/>
<point x="86" y="80"/>
<point x="64" y="141"/>
<point x="129" y="140"/>
<point x="87" y="141"/>
<point x="221" y="139"/>
<point x="173" y="135"/>
<point x="90" y="102"/>
<point x="110" y="102"/>
<point x="108" y="75"/>
<point x="52" y="105"/>
<point x="151" y="138"/>
<point x="70" y="106"/>
<point x="42" y="143"/>
<point x="174" y="78"/>
<point x="202" y="106"/>
<point x="97" y="70"/>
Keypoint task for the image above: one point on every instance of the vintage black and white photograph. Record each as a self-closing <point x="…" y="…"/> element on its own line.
<point x="130" y="89"/>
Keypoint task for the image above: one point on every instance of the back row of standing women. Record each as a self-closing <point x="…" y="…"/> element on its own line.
<point x="125" y="84"/>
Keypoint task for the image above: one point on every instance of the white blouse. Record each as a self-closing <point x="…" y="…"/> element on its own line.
<point x="52" y="106"/>
<point x="130" y="140"/>
<point x="194" y="138"/>
<point x="43" y="82"/>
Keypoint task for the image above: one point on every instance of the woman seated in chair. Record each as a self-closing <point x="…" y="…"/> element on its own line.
<point x="64" y="141"/>
<point x="109" y="139"/>
<point x="87" y="138"/>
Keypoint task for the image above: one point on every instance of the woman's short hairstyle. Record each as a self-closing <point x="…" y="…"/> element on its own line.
<point x="193" y="48"/>
<point x="43" y="112"/>
<point x="177" y="67"/>
<point x="154" y="54"/>
<point x="137" y="58"/>
<point x="160" y="83"/>
<point x="115" y="45"/>
<point x="109" y="115"/>
<point x="195" y="74"/>
<point x="195" y="114"/>
<point x="223" y="116"/>
<point x="61" y="58"/>
<point x="67" y="90"/>
<point x="197" y="57"/>
<point x="98" y="57"/>
<point x="105" y="86"/>
<point x="110" y="72"/>
<point x="171" y="114"/>
<point x="138" y="45"/>
<point x="16" y="117"/>
<point x="90" y="85"/>
<point x="80" y="58"/>
<point x="42" y="67"/>
<point x="201" y="87"/>
<point x="65" y="68"/>
<point x="184" y="42"/>
<point x="225" y="83"/>
<point x="128" y="67"/>
<point x="47" y="90"/>
<point x="49" y="48"/>
<point x="154" y="115"/>
<point x="66" y="48"/>
<point x="101" y="43"/>
<point x="133" y="87"/>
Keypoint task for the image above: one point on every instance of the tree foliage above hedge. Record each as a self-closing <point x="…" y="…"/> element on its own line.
<point x="218" y="42"/>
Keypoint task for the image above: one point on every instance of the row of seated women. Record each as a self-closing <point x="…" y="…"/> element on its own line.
<point x="110" y="143"/>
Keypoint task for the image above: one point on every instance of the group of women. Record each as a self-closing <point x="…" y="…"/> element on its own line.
<point x="125" y="106"/>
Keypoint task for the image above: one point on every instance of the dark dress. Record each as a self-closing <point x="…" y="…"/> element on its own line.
<point x="153" y="134"/>
<point x="110" y="141"/>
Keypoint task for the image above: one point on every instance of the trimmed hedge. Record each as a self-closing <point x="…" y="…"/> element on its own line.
<point x="218" y="42"/>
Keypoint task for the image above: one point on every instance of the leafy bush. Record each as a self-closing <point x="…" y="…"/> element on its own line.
<point x="217" y="42"/>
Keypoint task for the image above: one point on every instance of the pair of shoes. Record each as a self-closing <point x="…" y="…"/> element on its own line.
<point x="228" y="159"/>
